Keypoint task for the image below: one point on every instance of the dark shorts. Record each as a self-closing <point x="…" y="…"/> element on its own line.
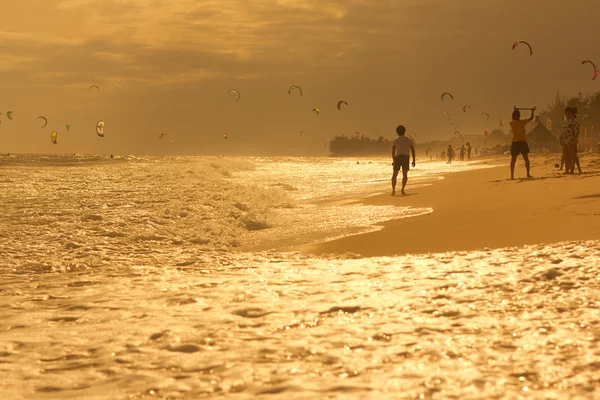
<point x="401" y="161"/>
<point x="519" y="148"/>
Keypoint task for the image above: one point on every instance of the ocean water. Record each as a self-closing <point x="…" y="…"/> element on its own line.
<point x="149" y="277"/>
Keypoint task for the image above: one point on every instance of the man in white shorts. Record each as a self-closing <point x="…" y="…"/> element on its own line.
<point x="401" y="146"/>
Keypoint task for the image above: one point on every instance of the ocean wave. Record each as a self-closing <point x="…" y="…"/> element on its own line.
<point x="189" y="202"/>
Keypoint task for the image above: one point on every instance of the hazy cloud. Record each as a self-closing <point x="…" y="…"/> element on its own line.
<point x="389" y="58"/>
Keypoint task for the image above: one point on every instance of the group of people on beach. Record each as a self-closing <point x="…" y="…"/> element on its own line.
<point x="403" y="147"/>
<point x="463" y="150"/>
<point x="569" y="139"/>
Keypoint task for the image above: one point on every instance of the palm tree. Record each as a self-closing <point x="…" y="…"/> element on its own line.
<point x="555" y="112"/>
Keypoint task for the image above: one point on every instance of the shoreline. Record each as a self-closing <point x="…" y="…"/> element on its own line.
<point x="549" y="208"/>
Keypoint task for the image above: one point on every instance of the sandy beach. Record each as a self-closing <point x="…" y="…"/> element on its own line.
<point x="484" y="209"/>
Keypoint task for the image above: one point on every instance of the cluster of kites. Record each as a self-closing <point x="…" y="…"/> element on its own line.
<point x="54" y="135"/>
<point x="518" y="42"/>
<point x="316" y="111"/>
<point x="291" y="89"/>
<point x="467" y="107"/>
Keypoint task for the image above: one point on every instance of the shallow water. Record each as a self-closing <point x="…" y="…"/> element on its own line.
<point x="122" y="280"/>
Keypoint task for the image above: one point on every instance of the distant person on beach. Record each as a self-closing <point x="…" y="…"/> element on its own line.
<point x="402" y="146"/>
<point x="450" y="154"/>
<point x="576" y="147"/>
<point x="468" y="151"/>
<point x="443" y="156"/>
<point x="562" y="159"/>
<point x="519" y="141"/>
<point x="568" y="140"/>
<point x="462" y="152"/>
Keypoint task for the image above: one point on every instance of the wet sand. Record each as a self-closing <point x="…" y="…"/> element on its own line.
<point x="484" y="209"/>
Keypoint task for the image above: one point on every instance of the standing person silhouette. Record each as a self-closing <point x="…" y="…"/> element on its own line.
<point x="569" y="138"/>
<point x="450" y="154"/>
<point x="468" y="151"/>
<point x="519" y="141"/>
<point x="402" y="146"/>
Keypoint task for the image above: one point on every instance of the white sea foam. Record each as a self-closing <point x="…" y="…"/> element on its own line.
<point x="123" y="279"/>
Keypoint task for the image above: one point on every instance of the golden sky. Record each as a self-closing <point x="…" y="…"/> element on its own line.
<point x="167" y="65"/>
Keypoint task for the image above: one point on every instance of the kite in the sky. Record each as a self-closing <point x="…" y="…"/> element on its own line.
<point x="68" y="127"/>
<point x="224" y="135"/>
<point x="593" y="65"/>
<point x="54" y="137"/>
<point x="295" y="87"/>
<point x="300" y="134"/>
<point x="339" y="104"/>
<point x="456" y="132"/>
<point x="161" y="135"/>
<point x="45" y="121"/>
<point x="100" y="128"/>
<point x="9" y="114"/>
<point x="316" y="111"/>
<point x="518" y="42"/>
<point x="324" y="143"/>
<point x="446" y="114"/>
<point x="465" y="108"/>
<point x="486" y="114"/>
<point x="237" y="93"/>
<point x="94" y="86"/>
<point x="447" y="94"/>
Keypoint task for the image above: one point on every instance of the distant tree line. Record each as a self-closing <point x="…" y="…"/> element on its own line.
<point x="358" y="145"/>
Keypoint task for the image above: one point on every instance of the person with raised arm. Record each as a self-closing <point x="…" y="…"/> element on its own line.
<point x="519" y="141"/>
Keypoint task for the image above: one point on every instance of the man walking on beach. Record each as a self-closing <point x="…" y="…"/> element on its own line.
<point x="401" y="146"/>
<point x="519" y="141"/>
